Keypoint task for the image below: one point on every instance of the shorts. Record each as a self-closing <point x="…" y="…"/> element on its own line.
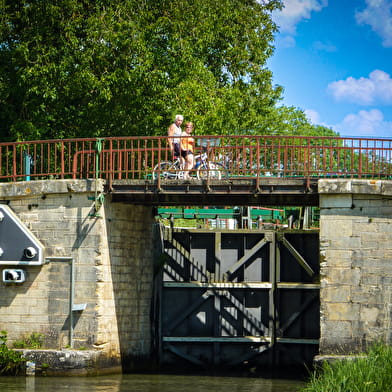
<point x="176" y="150"/>
<point x="185" y="153"/>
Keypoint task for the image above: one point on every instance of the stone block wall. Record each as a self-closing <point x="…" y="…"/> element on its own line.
<point x="131" y="252"/>
<point x="112" y="254"/>
<point x="356" y="264"/>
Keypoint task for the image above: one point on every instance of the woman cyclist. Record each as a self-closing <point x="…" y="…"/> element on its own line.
<point x="187" y="147"/>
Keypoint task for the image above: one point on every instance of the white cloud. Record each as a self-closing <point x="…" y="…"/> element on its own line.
<point x="378" y="14"/>
<point x="312" y="116"/>
<point x="324" y="46"/>
<point x="285" y="41"/>
<point x="294" y="11"/>
<point x="364" y="91"/>
<point x="365" y="123"/>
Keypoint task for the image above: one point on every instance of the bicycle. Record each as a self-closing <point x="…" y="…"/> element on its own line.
<point x="203" y="167"/>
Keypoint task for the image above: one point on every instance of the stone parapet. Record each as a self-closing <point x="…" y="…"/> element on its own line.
<point x="355" y="186"/>
<point x="42" y="187"/>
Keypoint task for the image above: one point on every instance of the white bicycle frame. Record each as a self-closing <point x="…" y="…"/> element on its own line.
<point x="202" y="166"/>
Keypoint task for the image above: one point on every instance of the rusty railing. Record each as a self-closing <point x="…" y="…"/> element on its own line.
<point x="242" y="156"/>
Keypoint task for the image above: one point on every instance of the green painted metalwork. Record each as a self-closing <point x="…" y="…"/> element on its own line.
<point x="219" y="213"/>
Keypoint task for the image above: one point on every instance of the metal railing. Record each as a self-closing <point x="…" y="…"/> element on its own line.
<point x="242" y="156"/>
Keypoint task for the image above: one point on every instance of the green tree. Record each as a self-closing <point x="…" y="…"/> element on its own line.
<point x="81" y="68"/>
<point x="284" y="120"/>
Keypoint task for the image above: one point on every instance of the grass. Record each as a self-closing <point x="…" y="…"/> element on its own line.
<point x="183" y="222"/>
<point x="371" y="373"/>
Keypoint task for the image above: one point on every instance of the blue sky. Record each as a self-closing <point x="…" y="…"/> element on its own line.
<point x="334" y="60"/>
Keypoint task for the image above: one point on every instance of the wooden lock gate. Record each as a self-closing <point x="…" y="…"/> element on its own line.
<point x="233" y="298"/>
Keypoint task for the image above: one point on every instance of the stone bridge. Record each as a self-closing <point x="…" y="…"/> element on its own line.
<point x="94" y="287"/>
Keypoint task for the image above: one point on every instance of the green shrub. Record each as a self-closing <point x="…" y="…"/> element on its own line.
<point x="10" y="360"/>
<point x="33" y="341"/>
<point x="371" y="373"/>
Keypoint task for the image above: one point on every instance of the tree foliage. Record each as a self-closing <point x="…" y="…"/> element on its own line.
<point x="81" y="68"/>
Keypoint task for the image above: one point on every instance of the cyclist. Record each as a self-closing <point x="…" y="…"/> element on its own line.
<point x="187" y="146"/>
<point x="175" y="132"/>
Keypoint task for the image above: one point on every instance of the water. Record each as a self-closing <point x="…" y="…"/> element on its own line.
<point x="147" y="383"/>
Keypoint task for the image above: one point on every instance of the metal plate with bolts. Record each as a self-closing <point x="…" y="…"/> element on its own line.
<point x="18" y="245"/>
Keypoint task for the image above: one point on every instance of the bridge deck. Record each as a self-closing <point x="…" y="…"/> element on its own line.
<point x="264" y="191"/>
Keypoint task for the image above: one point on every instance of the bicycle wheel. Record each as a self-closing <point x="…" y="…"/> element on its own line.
<point x="223" y="170"/>
<point x="165" y="169"/>
<point x="210" y="170"/>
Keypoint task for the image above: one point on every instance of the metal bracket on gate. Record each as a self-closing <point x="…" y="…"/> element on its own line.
<point x="99" y="200"/>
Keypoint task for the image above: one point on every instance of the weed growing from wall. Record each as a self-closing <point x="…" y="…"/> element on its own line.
<point x="10" y="361"/>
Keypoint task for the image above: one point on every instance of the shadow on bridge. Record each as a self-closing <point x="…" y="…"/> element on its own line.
<point x="264" y="191"/>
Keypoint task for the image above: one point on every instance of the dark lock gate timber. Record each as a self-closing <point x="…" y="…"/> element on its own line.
<point x="228" y="299"/>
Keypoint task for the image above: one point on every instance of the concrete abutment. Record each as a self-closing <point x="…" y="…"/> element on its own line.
<point x="112" y="255"/>
<point x="356" y="264"/>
